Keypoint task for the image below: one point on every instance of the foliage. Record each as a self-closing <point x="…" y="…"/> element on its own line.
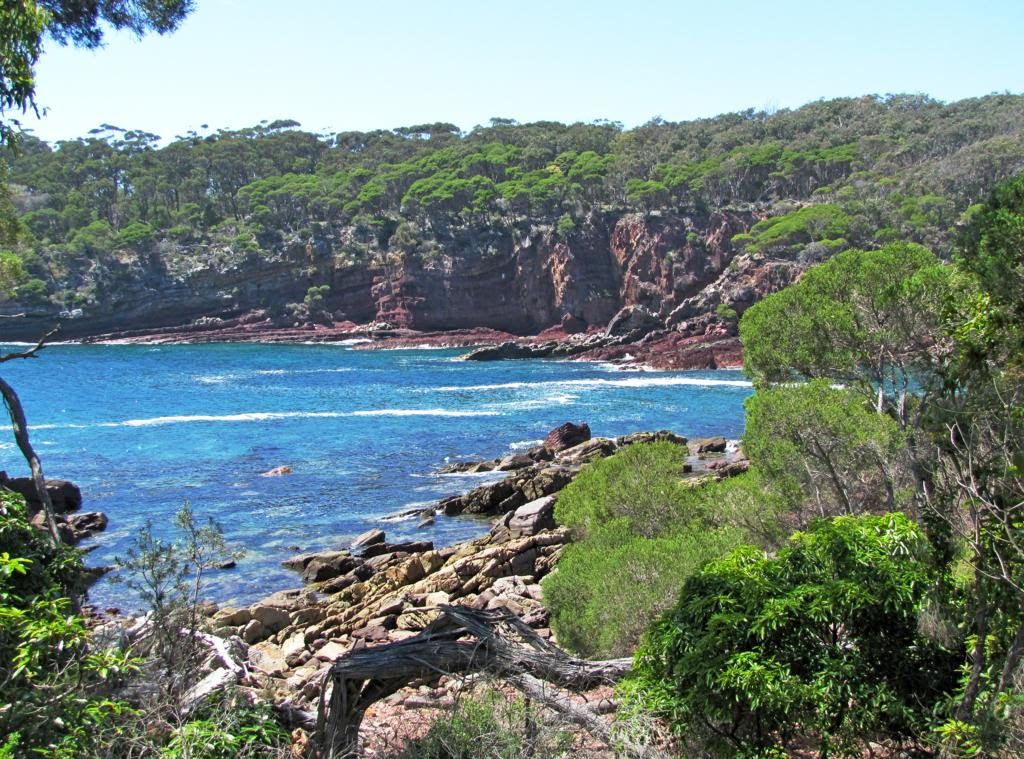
<point x="608" y="587"/>
<point x="641" y="484"/>
<point x="23" y="24"/>
<point x="47" y="667"/>
<point x="488" y="725"/>
<point x="866" y="318"/>
<point x="819" y="642"/>
<point x="642" y="531"/>
<point x="227" y="728"/>
<point x="904" y="164"/>
<point x="827" y="450"/>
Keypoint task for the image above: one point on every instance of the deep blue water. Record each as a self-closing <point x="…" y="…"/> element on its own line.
<point x="143" y="428"/>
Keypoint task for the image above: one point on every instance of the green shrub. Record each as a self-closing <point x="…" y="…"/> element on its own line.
<point x="820" y="643"/>
<point x="610" y="587"/>
<point x="642" y="484"/>
<point x="51" y="679"/>
<point x="228" y="728"/>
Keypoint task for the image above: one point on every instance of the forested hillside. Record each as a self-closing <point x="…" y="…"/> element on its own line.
<point x="511" y="226"/>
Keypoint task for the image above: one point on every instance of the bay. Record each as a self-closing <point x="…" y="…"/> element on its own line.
<point x="143" y="428"/>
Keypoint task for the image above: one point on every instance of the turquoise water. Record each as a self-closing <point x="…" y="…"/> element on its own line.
<point x="143" y="428"/>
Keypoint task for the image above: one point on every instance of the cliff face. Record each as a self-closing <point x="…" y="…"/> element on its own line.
<point x="541" y="278"/>
<point x="520" y="278"/>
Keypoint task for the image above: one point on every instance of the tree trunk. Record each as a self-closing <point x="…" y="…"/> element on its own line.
<point x="20" y="427"/>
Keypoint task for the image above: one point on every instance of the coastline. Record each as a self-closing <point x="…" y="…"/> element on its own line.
<point x="660" y="349"/>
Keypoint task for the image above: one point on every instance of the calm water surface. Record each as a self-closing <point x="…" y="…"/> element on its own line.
<point x="143" y="428"/>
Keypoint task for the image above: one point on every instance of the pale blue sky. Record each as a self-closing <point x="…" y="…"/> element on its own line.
<point x="338" y="65"/>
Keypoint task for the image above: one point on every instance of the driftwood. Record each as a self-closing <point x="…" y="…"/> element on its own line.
<point x="499" y="643"/>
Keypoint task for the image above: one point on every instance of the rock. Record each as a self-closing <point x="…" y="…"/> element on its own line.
<point x="230" y="564"/>
<point x="426" y="521"/>
<point x="369" y="538"/>
<point x="273" y="618"/>
<point x="268" y="658"/>
<point x="532" y="517"/>
<point x="277" y="471"/>
<point x="64" y="495"/>
<point x="467" y="467"/>
<point x="631" y="320"/>
<point x="708" y="445"/>
<point x="502" y="352"/>
<point x="254" y="631"/>
<point x="566" y="436"/>
<point x="514" y="461"/>
<point x="86" y="524"/>
<point x="650" y="437"/>
<point x="232" y="617"/>
<point x="331" y="651"/>
<point x="573" y="325"/>
<point x="328" y="566"/>
<point x="586" y="452"/>
<point x="379" y="549"/>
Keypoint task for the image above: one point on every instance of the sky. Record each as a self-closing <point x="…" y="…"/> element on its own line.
<point x="335" y="65"/>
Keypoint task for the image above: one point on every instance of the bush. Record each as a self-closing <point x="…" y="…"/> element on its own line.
<point x="608" y="588"/>
<point x="642" y="484"/>
<point x="820" y="643"/>
<point x="642" y="531"/>
<point x="490" y="726"/>
<point x="50" y="676"/>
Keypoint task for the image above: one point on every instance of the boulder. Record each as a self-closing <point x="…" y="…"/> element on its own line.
<point x="277" y="471"/>
<point x="415" y="546"/>
<point x="254" y="631"/>
<point x="86" y="524"/>
<point x="532" y="517"/>
<point x="271" y="617"/>
<point x="587" y="452"/>
<point x="64" y="495"/>
<point x="633" y="322"/>
<point x="328" y="566"/>
<point x="707" y="445"/>
<point x="514" y="461"/>
<point x="369" y="538"/>
<point x="566" y="436"/>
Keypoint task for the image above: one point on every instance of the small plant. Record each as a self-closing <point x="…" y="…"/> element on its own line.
<point x="490" y="725"/>
<point x="168" y="576"/>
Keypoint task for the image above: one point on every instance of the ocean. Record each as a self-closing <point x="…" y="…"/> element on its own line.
<point x="143" y="428"/>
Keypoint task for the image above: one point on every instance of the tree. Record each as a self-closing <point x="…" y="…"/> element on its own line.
<point x="25" y="23"/>
<point x="820" y="642"/>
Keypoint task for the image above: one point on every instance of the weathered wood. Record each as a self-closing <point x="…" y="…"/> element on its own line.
<point x="499" y="643"/>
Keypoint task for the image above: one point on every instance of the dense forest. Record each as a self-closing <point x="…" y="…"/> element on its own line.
<point x="122" y="213"/>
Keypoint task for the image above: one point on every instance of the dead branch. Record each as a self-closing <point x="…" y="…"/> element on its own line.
<point x="499" y="643"/>
<point x="31" y="352"/>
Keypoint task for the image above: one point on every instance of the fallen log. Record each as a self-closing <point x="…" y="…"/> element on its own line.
<point x="461" y="641"/>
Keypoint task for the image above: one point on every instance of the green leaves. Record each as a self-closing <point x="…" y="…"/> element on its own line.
<point x="761" y="649"/>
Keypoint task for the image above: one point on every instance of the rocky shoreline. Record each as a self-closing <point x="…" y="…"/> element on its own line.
<point x="375" y="592"/>
<point x="634" y="336"/>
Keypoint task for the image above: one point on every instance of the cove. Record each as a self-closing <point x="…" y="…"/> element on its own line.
<point x="143" y="428"/>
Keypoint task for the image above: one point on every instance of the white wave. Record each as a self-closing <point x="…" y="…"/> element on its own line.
<point x="352" y="341"/>
<point x="263" y="416"/>
<point x="279" y="372"/>
<point x="625" y="382"/>
<point x="215" y="379"/>
<point x="420" y="412"/>
<point x="559" y="399"/>
<point x="521" y="445"/>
